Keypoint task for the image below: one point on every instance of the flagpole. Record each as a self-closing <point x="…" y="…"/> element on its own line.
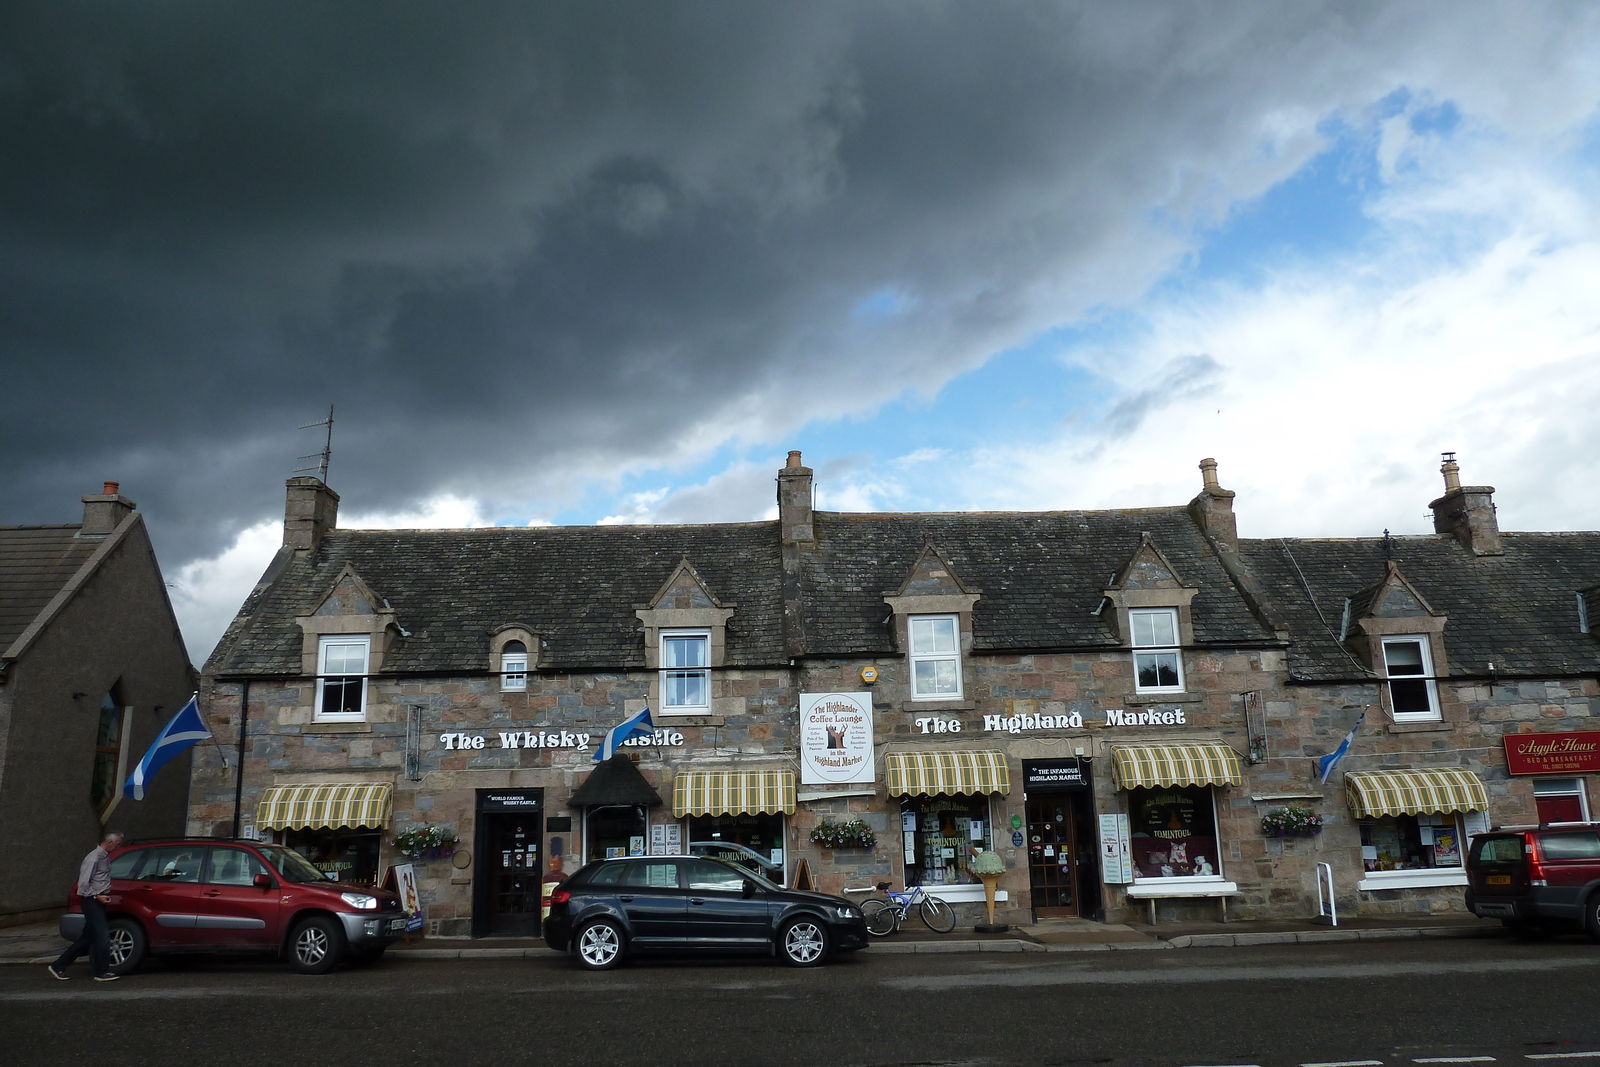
<point x="238" y="772"/>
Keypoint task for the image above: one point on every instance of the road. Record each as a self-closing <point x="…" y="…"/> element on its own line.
<point x="1397" y="1004"/>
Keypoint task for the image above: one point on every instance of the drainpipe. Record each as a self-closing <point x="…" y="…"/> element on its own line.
<point x="238" y="776"/>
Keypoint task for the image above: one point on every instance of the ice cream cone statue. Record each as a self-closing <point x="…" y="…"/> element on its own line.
<point x="988" y="866"/>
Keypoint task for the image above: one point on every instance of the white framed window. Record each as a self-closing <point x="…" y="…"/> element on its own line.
<point x="1560" y="800"/>
<point x="514" y="666"/>
<point x="935" y="657"/>
<point x="342" y="678"/>
<point x="1408" y="666"/>
<point x="1157" y="659"/>
<point x="686" y="671"/>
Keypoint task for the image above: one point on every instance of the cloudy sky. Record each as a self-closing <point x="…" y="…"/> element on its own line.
<point x="601" y="262"/>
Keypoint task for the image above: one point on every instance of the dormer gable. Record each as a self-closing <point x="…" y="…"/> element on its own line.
<point x="1390" y="606"/>
<point x="685" y="590"/>
<point x="348" y="607"/>
<point x="350" y="595"/>
<point x="932" y="587"/>
<point x="932" y="575"/>
<point x="684" y="601"/>
<point x="1147" y="580"/>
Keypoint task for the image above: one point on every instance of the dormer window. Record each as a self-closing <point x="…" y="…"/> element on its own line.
<point x="935" y="657"/>
<point x="685" y="671"/>
<point x="1157" y="659"/>
<point x="1408" y="666"/>
<point x="514" y="666"/>
<point x="342" y="678"/>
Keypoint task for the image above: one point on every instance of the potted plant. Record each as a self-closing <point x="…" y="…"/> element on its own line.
<point x="426" y="841"/>
<point x="852" y="834"/>
<point x="988" y="866"/>
<point x="1291" y="822"/>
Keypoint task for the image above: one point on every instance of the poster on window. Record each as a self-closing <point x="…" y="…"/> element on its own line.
<point x="405" y="884"/>
<point x="836" y="739"/>
<point x="1174" y="833"/>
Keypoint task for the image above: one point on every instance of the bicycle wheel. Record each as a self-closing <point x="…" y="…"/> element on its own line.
<point x="940" y="917"/>
<point x="871" y="906"/>
<point x="884" y="921"/>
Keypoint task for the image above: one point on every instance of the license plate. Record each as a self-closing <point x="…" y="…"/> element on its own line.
<point x="396" y="925"/>
<point x="1499" y="879"/>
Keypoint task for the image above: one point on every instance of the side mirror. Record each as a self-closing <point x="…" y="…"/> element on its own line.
<point x="749" y="889"/>
<point x="262" y="881"/>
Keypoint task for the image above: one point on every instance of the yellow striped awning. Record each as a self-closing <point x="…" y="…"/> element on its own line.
<point x="296" y="807"/>
<point x="1373" y="794"/>
<point x="1180" y="763"/>
<point x="732" y="793"/>
<point x="936" y="773"/>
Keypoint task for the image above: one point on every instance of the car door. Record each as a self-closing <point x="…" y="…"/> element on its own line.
<point x="1571" y="860"/>
<point x="233" y="910"/>
<point x="164" y="894"/>
<point x="719" y="914"/>
<point x="651" y="898"/>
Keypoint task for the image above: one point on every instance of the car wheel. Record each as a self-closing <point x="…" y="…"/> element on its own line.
<point x="803" y="942"/>
<point x="599" y="946"/>
<point x="127" y="944"/>
<point x="316" y="945"/>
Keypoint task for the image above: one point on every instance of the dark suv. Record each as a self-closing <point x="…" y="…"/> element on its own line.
<point x="1537" y="879"/>
<point x="184" y="895"/>
<point x="694" y="904"/>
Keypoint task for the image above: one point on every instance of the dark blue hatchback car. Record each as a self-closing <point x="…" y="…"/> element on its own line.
<point x="693" y="904"/>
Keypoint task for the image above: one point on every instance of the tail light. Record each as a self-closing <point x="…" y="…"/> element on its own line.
<point x="560" y="896"/>
<point x="1536" y="875"/>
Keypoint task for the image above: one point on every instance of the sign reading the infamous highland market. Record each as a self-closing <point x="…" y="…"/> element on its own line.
<point x="836" y="739"/>
<point x="1553" y="753"/>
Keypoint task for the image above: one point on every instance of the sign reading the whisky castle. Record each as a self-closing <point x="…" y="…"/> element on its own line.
<point x="1553" y="753"/>
<point x="836" y="738"/>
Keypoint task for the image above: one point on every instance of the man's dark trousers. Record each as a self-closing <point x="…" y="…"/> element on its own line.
<point x="94" y="939"/>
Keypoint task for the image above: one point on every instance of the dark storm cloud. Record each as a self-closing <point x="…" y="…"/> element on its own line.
<point x="523" y="245"/>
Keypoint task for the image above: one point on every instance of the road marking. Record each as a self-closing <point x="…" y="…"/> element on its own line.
<point x="1346" y="1063"/>
<point x="1454" y="1059"/>
<point x="1561" y="1055"/>
<point x="1223" y="1065"/>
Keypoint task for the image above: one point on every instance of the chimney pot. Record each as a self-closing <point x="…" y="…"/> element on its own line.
<point x="1208" y="470"/>
<point x="1212" y="509"/>
<point x="794" y="460"/>
<point x="111" y="489"/>
<point x="1451" y="472"/>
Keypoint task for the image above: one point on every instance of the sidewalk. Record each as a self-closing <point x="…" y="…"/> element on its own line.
<point x="40" y="942"/>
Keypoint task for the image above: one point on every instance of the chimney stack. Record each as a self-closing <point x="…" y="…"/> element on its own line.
<point x="311" y="510"/>
<point x="1466" y="512"/>
<point x="104" y="513"/>
<point x="1212" y="510"/>
<point x="794" y="502"/>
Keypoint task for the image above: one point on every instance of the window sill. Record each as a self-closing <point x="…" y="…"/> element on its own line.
<point x="345" y="727"/>
<point x="1419" y="726"/>
<point x="1423" y="879"/>
<point x="962" y="894"/>
<point x="1175" y="697"/>
<point x="931" y="704"/>
<point x="1192" y="886"/>
<point x="689" y="718"/>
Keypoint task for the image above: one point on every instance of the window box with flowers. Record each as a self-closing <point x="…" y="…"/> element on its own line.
<point x="852" y="834"/>
<point x="1291" y="822"/>
<point x="426" y="841"/>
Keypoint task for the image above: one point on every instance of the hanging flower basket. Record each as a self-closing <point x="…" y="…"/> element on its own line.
<point x="852" y="834"/>
<point x="1291" y="822"/>
<point x="426" y="842"/>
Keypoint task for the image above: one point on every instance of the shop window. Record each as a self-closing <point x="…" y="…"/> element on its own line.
<point x="614" y="830"/>
<point x="1174" y="833"/>
<point x="940" y="835"/>
<point x="1157" y="660"/>
<point x="1408" y="664"/>
<point x="343" y="854"/>
<point x="685" y="671"/>
<point x="1411" y="842"/>
<point x="514" y="666"/>
<point x="342" y="678"/>
<point x="1560" y="800"/>
<point x="107" y="752"/>
<point x="935" y="657"/>
<point x="754" y="842"/>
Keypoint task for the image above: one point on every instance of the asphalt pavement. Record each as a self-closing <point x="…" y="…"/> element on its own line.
<point x="1373" y="1003"/>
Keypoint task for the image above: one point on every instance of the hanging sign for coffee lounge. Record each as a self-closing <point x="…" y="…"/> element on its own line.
<point x="1553" y="753"/>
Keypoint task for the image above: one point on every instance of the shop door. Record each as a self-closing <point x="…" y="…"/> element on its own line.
<point x="1052" y="855"/>
<point x="512" y="855"/>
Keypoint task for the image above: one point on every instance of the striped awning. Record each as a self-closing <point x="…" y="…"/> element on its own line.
<point x="297" y="807"/>
<point x="936" y="773"/>
<point x="1373" y="794"/>
<point x="732" y="793"/>
<point x="1181" y="763"/>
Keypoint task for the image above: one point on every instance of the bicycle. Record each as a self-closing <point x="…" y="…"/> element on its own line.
<point x="885" y="916"/>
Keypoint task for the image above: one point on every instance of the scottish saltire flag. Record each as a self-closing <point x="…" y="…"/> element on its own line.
<point x="639" y="725"/>
<point x="1327" y="763"/>
<point x="185" y="729"/>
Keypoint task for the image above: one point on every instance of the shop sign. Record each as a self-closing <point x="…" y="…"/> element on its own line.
<point x="1116" y="849"/>
<point x="1115" y="717"/>
<point x="1048" y="776"/>
<point x="553" y="739"/>
<point x="522" y="800"/>
<point x="836" y="738"/>
<point x="1015" y="724"/>
<point x="1553" y="753"/>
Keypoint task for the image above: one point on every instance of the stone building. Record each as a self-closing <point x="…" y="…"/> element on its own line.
<point x="1111" y="700"/>
<point x="91" y="667"/>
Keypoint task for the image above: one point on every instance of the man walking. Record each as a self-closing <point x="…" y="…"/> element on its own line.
<point x="94" y="887"/>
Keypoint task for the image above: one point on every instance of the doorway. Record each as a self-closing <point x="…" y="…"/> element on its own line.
<point x="1062" y="848"/>
<point x="507" y="878"/>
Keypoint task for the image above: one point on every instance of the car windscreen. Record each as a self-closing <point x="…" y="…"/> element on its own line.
<point x="293" y="866"/>
<point x="1497" y="850"/>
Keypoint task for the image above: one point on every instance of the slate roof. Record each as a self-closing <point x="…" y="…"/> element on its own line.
<point x="1518" y="610"/>
<point x="1040" y="575"/>
<point x="35" y="563"/>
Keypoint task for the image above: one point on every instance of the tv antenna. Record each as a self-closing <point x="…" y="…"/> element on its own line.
<point x="321" y="466"/>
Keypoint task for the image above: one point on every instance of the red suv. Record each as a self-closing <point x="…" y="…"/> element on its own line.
<point x="1537" y="879"/>
<point x="183" y="895"/>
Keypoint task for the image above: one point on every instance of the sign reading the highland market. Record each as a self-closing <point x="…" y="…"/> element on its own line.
<point x="1553" y="753"/>
<point x="836" y="739"/>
